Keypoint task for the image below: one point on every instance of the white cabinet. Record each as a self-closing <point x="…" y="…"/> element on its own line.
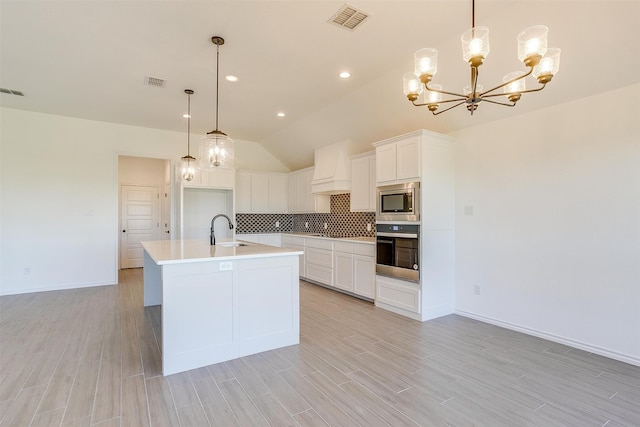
<point x="398" y="296"/>
<point x="354" y="268"/>
<point x="363" y="183"/>
<point x="214" y="178"/>
<point x="398" y="159"/>
<point x="301" y="200"/>
<point x="319" y="260"/>
<point x="261" y="192"/>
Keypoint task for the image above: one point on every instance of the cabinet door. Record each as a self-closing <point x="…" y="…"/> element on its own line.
<point x="293" y="193"/>
<point x="343" y="270"/>
<point x="301" y="192"/>
<point x="260" y="193"/>
<point x="360" y="184"/>
<point x="243" y="192"/>
<point x="386" y="163"/>
<point x="364" y="276"/>
<point x="278" y="188"/>
<point x="408" y="159"/>
<point x="372" y="184"/>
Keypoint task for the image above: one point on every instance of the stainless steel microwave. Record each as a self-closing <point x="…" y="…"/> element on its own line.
<point x="400" y="202"/>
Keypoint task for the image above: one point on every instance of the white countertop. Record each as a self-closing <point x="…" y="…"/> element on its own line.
<point x="358" y="239"/>
<point x="199" y="250"/>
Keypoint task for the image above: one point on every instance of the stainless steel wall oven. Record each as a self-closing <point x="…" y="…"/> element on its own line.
<point x="398" y="251"/>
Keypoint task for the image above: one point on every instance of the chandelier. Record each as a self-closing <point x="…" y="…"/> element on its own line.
<point x="543" y="64"/>
<point x="188" y="168"/>
<point x="216" y="149"/>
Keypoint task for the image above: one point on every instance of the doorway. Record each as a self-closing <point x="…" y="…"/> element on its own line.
<point x="145" y="211"/>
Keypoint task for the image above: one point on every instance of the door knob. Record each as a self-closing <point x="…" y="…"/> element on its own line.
<point x="124" y="231"/>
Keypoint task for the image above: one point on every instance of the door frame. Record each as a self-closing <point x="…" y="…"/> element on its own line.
<point x="116" y="193"/>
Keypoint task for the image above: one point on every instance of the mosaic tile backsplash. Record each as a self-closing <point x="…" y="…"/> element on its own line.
<point x="340" y="221"/>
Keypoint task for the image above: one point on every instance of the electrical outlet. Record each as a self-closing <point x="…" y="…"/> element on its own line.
<point x="226" y="266"/>
<point x="325" y="225"/>
<point x="306" y="225"/>
<point x="369" y="227"/>
<point x="476" y="289"/>
<point x="277" y="224"/>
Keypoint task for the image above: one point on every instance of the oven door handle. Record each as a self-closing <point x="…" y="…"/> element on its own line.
<point x="384" y="241"/>
<point x="404" y="235"/>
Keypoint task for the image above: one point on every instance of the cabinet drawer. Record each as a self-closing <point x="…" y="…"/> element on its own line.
<point x="364" y="249"/>
<point x="397" y="294"/>
<point x="320" y="257"/>
<point x="319" y="274"/>
<point x="343" y="247"/>
<point x="319" y="243"/>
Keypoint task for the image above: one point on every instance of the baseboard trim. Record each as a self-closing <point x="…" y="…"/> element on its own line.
<point x="6" y="292"/>
<point x="558" y="339"/>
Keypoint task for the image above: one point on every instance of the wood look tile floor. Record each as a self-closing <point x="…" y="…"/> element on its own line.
<point x="90" y="357"/>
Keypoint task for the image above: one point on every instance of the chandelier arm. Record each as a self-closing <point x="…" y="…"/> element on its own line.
<point x="463" y="99"/>
<point x="521" y="92"/>
<point x="513" y="104"/>
<point x="459" y="95"/>
<point x="506" y="83"/>
<point x="435" y="113"/>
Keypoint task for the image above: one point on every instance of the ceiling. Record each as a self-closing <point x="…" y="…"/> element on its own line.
<point x="89" y="59"/>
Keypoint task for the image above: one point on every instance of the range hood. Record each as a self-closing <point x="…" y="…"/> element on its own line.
<point x="332" y="173"/>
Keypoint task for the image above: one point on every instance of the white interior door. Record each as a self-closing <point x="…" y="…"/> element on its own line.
<point x="140" y="220"/>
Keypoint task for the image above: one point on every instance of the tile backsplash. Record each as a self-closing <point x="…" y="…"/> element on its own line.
<point x="341" y="222"/>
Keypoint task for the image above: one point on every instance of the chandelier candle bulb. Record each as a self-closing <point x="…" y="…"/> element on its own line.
<point x="548" y="66"/>
<point x="532" y="44"/>
<point x="475" y="45"/>
<point x="426" y="64"/>
<point x="412" y="86"/>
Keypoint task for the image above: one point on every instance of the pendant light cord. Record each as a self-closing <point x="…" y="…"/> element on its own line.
<point x="188" y="124"/>
<point x="473" y="13"/>
<point x="217" y="80"/>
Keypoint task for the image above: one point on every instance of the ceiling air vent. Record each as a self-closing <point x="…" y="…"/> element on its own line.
<point x="348" y="17"/>
<point x="11" y="91"/>
<point x="154" y="81"/>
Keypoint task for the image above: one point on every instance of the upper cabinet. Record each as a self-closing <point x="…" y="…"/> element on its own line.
<point x="398" y="159"/>
<point x="363" y="183"/>
<point x="261" y="192"/>
<point x="301" y="200"/>
<point x="222" y="178"/>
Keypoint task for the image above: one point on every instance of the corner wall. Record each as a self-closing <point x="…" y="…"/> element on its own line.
<point x="548" y="223"/>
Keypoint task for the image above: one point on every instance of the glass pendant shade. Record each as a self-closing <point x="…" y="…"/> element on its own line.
<point x="432" y="97"/>
<point x="216" y="151"/>
<point x="548" y="66"/>
<point x="475" y="43"/>
<point x="426" y="62"/>
<point x="411" y="84"/>
<point x="532" y="43"/>
<point x="188" y="168"/>
<point x="515" y="86"/>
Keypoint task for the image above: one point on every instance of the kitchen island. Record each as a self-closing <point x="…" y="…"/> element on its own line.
<point x="221" y="302"/>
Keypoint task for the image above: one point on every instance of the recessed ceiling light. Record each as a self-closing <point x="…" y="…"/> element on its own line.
<point x="344" y="75"/>
<point x="281" y="114"/>
<point x="231" y="78"/>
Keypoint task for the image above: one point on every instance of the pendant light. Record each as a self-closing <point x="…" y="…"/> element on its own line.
<point x="188" y="167"/>
<point x="216" y="149"/>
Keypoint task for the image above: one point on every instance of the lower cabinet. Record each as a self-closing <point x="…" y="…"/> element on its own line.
<point x="354" y="268"/>
<point x="398" y="295"/>
<point x="348" y="266"/>
<point x="319" y="260"/>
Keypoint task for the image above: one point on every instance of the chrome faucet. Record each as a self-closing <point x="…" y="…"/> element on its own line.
<point x="213" y="237"/>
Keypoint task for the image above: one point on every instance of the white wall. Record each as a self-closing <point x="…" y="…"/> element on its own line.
<point x="58" y="195"/>
<point x="554" y="239"/>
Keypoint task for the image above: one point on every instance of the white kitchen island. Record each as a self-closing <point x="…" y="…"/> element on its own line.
<point x="221" y="302"/>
